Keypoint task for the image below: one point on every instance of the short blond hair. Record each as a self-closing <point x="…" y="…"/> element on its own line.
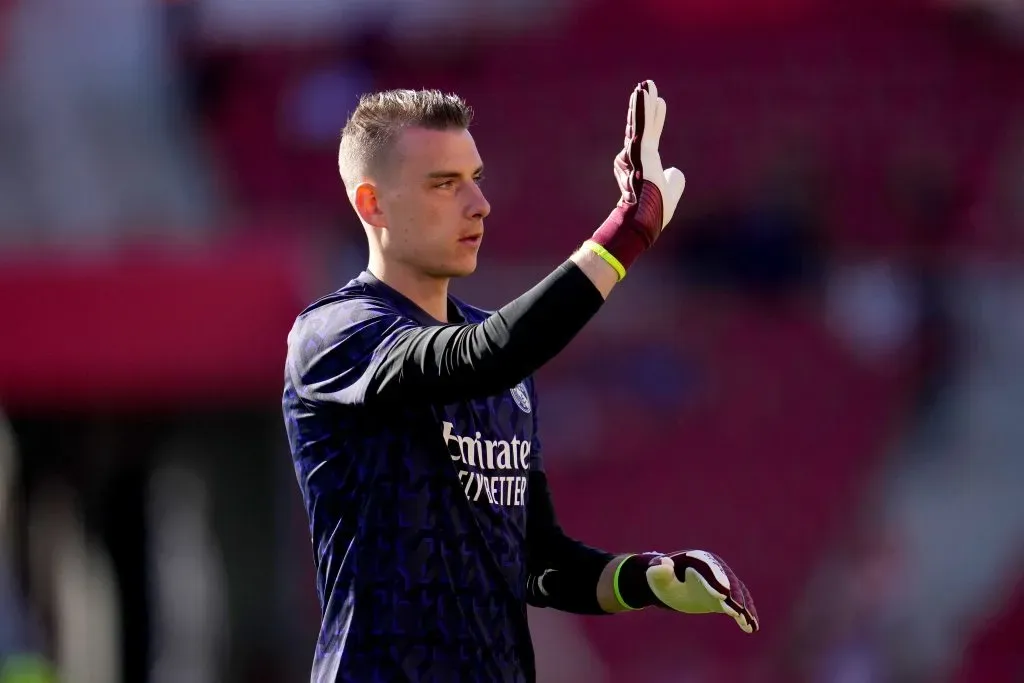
<point x="371" y="130"/>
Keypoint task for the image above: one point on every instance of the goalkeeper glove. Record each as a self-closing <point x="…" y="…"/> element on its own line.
<point x="691" y="581"/>
<point x="649" y="194"/>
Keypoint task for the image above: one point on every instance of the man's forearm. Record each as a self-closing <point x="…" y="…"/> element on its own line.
<point x="453" y="362"/>
<point x="563" y="573"/>
<point x="578" y="587"/>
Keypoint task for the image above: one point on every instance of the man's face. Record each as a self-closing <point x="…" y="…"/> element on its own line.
<point x="430" y="197"/>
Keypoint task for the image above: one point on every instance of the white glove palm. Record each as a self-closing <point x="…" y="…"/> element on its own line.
<point x="649" y="123"/>
<point x="698" y="582"/>
<point x="648" y="194"/>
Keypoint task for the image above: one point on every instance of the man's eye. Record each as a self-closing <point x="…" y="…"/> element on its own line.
<point x="478" y="180"/>
<point x="446" y="184"/>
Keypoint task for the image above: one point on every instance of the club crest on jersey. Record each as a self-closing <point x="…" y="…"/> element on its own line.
<point x="521" y="397"/>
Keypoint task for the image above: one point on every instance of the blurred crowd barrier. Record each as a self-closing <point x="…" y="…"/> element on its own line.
<point x="818" y="369"/>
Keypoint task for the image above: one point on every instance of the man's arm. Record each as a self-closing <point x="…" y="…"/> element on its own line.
<point x="567" y="575"/>
<point x="600" y="273"/>
<point x="570" y="576"/>
<point x="563" y="573"/>
<point x="361" y="350"/>
<point x="453" y="362"/>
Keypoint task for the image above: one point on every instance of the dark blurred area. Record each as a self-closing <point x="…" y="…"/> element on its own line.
<point x="821" y="365"/>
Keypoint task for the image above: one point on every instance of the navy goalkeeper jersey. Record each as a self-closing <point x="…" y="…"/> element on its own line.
<point x="417" y="506"/>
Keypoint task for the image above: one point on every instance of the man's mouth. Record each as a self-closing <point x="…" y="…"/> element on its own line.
<point x="472" y="239"/>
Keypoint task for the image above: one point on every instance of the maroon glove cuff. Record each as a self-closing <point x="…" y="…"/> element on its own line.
<point x="632" y="228"/>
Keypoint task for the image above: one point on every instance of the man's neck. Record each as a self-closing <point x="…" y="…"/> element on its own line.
<point x="429" y="293"/>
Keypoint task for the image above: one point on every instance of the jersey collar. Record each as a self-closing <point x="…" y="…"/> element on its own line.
<point x="407" y="306"/>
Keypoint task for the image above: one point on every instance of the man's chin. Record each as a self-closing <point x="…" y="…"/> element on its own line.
<point x="461" y="269"/>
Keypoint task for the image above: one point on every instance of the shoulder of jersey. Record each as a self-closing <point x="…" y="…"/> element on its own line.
<point x="354" y="291"/>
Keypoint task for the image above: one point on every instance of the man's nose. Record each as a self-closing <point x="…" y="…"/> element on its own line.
<point x="479" y="207"/>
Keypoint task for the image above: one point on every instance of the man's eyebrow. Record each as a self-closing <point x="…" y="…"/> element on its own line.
<point x="452" y="174"/>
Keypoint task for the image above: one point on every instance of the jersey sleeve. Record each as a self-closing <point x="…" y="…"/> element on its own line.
<point x="361" y="350"/>
<point x="335" y="352"/>
<point x="562" y="572"/>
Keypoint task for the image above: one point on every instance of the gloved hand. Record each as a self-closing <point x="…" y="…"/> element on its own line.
<point x="649" y="193"/>
<point x="690" y="581"/>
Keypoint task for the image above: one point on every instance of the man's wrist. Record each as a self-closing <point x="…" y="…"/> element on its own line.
<point x="630" y="582"/>
<point x="600" y="272"/>
<point x="607" y="257"/>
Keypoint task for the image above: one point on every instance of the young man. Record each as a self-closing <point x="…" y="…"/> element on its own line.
<point x="412" y="416"/>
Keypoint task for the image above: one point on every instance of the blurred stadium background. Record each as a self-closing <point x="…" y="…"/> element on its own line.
<point x="824" y="378"/>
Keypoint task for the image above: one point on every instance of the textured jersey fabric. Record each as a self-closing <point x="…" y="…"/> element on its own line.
<point x="417" y="508"/>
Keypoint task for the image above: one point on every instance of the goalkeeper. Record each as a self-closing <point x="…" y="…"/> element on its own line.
<point x="412" y="416"/>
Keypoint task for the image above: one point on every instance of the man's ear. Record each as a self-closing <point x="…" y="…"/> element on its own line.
<point x="367" y="205"/>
